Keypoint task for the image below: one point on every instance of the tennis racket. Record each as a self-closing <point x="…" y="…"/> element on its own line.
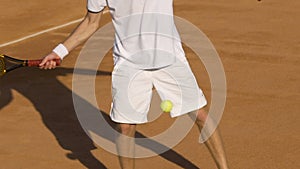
<point x="8" y="63"/>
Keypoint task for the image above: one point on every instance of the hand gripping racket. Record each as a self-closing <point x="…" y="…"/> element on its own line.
<point x="8" y="63"/>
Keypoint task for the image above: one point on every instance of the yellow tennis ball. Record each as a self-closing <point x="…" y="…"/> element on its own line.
<point x="166" y="106"/>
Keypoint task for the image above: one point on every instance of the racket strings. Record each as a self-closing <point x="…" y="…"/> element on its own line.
<point x="2" y="66"/>
<point x="8" y="64"/>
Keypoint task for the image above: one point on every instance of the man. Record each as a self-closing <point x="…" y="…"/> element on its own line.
<point x="147" y="54"/>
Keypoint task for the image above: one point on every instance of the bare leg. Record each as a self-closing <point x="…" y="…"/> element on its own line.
<point x="214" y="143"/>
<point x="125" y="145"/>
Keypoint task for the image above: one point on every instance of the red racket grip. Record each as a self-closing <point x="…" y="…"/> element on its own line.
<point x="33" y="63"/>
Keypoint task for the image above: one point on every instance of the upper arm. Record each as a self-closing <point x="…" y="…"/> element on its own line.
<point x="95" y="9"/>
<point x="93" y="18"/>
<point x="96" y="6"/>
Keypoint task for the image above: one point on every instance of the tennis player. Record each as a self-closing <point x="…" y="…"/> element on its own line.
<point x="147" y="53"/>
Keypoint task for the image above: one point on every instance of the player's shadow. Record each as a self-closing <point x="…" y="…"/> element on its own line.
<point x="53" y="100"/>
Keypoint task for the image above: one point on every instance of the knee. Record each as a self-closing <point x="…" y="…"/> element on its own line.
<point x="201" y="116"/>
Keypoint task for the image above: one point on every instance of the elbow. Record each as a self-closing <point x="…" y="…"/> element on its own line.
<point x="93" y="20"/>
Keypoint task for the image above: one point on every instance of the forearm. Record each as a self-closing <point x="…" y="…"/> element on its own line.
<point x="85" y="29"/>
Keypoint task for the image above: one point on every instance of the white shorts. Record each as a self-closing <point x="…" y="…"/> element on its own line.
<point x="132" y="91"/>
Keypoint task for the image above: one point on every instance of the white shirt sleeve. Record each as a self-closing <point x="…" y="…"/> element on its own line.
<point x="96" y="5"/>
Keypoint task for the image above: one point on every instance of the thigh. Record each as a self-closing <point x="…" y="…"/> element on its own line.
<point x="178" y="84"/>
<point x="131" y="94"/>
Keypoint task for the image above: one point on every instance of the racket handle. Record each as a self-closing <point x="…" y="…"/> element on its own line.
<point x="33" y="63"/>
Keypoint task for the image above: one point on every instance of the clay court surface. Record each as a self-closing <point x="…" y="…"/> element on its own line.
<point x="258" y="43"/>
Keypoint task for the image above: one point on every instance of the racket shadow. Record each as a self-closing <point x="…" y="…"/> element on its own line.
<point x="53" y="100"/>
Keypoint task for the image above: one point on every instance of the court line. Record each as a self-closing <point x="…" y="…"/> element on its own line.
<point x="41" y="32"/>
<point x="44" y="31"/>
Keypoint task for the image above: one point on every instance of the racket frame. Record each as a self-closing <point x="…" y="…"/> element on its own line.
<point x="22" y="63"/>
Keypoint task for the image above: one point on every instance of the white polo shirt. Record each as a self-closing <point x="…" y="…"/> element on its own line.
<point x="145" y="32"/>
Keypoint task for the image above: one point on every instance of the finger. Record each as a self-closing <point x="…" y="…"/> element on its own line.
<point x="41" y="67"/>
<point x="47" y="65"/>
<point x="42" y="64"/>
<point x="54" y="65"/>
<point x="51" y="66"/>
